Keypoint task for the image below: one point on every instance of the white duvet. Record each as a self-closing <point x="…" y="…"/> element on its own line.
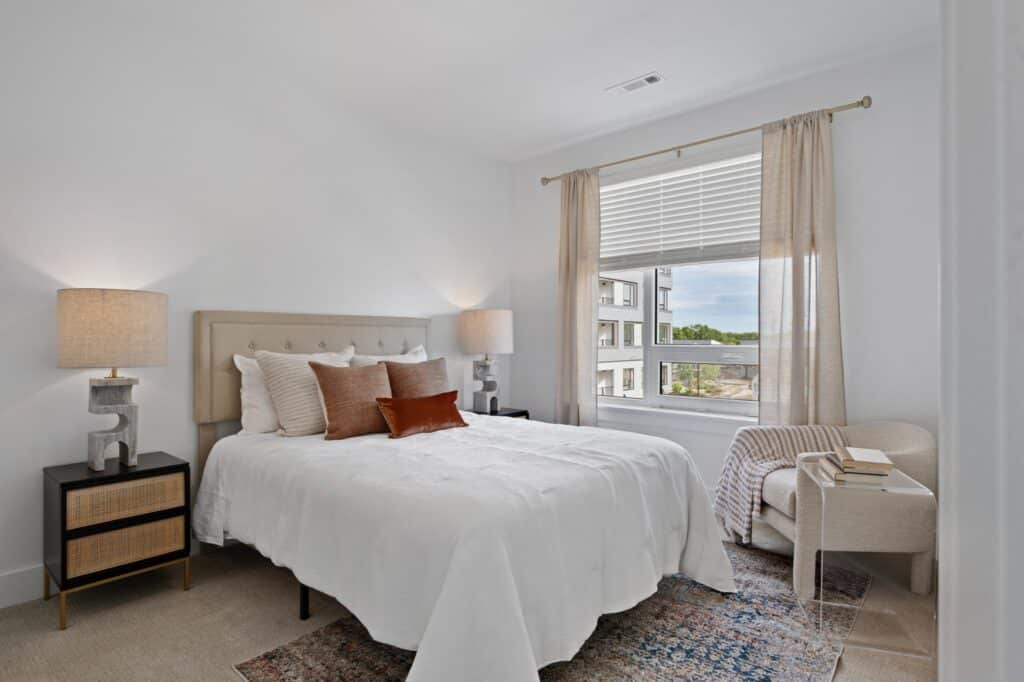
<point x="491" y="550"/>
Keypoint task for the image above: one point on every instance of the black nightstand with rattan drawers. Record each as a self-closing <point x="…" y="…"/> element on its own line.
<point x="100" y="526"/>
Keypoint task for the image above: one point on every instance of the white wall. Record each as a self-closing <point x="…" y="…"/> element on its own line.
<point x="155" y="147"/>
<point x="981" y="548"/>
<point x="887" y="203"/>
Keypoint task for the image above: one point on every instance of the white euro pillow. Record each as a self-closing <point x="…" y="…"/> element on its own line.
<point x="417" y="354"/>
<point x="294" y="390"/>
<point x="258" y="412"/>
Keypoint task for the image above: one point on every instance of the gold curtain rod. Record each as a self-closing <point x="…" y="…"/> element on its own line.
<point x="864" y="102"/>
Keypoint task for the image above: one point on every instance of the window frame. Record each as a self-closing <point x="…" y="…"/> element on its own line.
<point x="615" y="333"/>
<point x="626" y="284"/>
<point x="628" y="324"/>
<point x="663" y="295"/>
<point x="656" y="353"/>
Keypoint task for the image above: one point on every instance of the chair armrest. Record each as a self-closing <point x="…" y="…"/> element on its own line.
<point x="911" y="448"/>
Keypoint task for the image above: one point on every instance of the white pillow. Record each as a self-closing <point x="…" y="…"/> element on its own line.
<point x="294" y="390"/>
<point x="258" y="413"/>
<point x="417" y="354"/>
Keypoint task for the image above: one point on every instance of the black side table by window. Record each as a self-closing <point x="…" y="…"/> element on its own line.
<point x="509" y="412"/>
<point x="100" y="526"/>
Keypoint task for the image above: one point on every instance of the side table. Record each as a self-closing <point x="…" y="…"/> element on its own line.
<point x="896" y="517"/>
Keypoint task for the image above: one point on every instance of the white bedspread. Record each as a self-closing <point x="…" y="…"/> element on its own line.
<point x="491" y="550"/>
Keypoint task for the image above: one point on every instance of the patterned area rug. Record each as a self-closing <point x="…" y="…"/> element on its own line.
<point x="685" y="631"/>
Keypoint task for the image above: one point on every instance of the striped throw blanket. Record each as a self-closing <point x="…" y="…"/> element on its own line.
<point x="755" y="452"/>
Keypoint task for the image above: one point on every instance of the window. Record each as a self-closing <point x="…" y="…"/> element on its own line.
<point x="632" y="334"/>
<point x="606" y="337"/>
<point x="629" y="294"/>
<point x="703" y="380"/>
<point x="688" y="240"/>
<point x="606" y="382"/>
<point x="617" y="292"/>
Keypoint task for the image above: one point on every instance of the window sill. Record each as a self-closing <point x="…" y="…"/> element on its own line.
<point x="682" y="420"/>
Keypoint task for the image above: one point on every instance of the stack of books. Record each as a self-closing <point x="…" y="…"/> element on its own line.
<point x="856" y="465"/>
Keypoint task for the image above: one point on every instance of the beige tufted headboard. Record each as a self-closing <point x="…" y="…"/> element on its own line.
<point x="220" y="334"/>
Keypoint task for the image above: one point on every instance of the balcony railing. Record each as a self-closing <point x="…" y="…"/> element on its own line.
<point x="607" y="300"/>
<point x="605" y="343"/>
<point x="605" y="390"/>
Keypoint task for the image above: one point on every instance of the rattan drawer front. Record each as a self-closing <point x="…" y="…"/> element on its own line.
<point x="118" y="547"/>
<point x="102" y="503"/>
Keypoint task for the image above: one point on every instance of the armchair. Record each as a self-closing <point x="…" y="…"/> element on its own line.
<point x="911" y="448"/>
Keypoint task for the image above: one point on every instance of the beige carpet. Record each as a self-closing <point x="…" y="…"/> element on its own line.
<point x="146" y="628"/>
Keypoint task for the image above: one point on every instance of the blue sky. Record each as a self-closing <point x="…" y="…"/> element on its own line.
<point x="720" y="295"/>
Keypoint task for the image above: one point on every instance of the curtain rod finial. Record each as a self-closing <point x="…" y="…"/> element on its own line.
<point x="866" y="102"/>
<point x="545" y="181"/>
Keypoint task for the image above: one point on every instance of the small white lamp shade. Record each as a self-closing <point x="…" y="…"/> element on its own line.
<point x="111" y="328"/>
<point x="487" y="332"/>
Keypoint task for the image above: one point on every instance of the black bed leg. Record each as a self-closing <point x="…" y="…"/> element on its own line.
<point x="303" y="602"/>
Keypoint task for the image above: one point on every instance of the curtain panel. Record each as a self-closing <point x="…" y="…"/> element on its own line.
<point x="801" y="374"/>
<point x="576" y="391"/>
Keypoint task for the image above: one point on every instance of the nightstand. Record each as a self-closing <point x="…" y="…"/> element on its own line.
<point x="509" y="412"/>
<point x="100" y="526"/>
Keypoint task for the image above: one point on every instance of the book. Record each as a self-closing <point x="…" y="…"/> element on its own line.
<point x="869" y="479"/>
<point x="835" y="473"/>
<point x="861" y="460"/>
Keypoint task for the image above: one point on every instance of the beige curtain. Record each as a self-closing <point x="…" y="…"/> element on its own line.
<point x="576" y="392"/>
<point x="801" y="377"/>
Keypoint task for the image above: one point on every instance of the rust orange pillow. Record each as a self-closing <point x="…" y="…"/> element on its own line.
<point x="348" y="396"/>
<point x="408" y="416"/>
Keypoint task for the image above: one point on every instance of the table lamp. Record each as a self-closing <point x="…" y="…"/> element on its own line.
<point x="487" y="332"/>
<point x="112" y="328"/>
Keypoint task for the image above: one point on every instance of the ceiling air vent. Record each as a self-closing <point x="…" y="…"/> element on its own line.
<point x="637" y="83"/>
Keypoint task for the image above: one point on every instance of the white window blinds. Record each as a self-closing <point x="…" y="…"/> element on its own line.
<point x="708" y="212"/>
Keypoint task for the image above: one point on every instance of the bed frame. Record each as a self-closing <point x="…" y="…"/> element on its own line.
<point x="220" y="334"/>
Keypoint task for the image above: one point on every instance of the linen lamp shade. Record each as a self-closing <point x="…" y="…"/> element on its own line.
<point x="111" y="328"/>
<point x="485" y="331"/>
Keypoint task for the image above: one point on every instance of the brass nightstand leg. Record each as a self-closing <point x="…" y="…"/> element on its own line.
<point x="187" y="573"/>
<point x="46" y="585"/>
<point x="63" y="610"/>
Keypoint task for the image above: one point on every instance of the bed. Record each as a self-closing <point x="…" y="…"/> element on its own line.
<point x="490" y="550"/>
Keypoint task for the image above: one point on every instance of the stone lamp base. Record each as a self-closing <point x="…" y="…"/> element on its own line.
<point x="114" y="396"/>
<point x="486" y="399"/>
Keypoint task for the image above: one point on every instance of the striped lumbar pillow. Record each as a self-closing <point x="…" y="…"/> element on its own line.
<point x="294" y="390"/>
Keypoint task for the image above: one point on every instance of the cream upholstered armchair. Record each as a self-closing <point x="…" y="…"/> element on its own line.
<point x="911" y="448"/>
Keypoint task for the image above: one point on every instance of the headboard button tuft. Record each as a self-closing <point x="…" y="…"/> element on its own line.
<point x="252" y="345"/>
<point x="380" y="343"/>
<point x="321" y="345"/>
<point x="287" y="345"/>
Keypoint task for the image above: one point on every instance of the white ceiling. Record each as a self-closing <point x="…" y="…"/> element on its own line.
<point x="508" y="79"/>
<point x="519" y="78"/>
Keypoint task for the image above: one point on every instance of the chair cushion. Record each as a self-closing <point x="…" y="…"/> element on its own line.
<point x="779" y="490"/>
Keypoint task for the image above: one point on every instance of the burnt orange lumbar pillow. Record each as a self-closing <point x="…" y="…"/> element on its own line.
<point x="349" y="397"/>
<point x="408" y="416"/>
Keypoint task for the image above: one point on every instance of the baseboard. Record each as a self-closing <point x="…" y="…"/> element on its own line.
<point x="21" y="585"/>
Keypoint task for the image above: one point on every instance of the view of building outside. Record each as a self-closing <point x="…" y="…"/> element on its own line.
<point x="620" y="334"/>
<point x="700" y="304"/>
